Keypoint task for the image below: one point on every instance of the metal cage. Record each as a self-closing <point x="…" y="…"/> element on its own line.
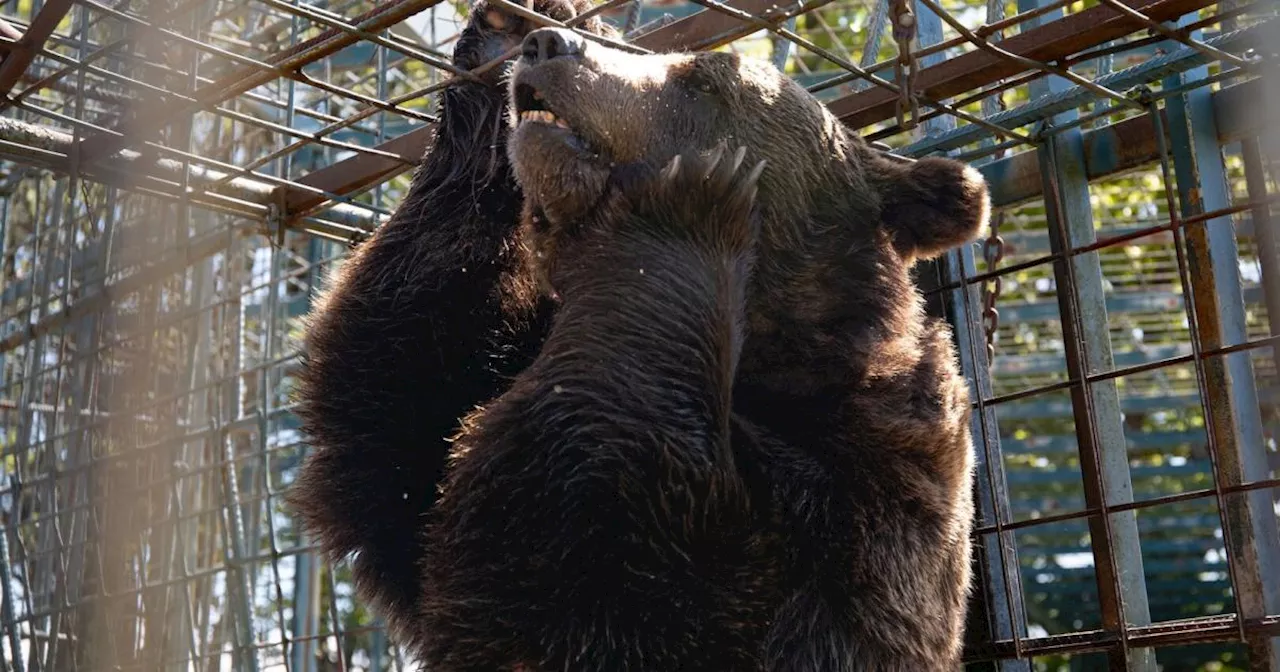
<point x="177" y="177"/>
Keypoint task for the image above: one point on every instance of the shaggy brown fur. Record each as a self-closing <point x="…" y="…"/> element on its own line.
<point x="853" y="397"/>
<point x="595" y="517"/>
<point x="413" y="333"/>
<point x="710" y="465"/>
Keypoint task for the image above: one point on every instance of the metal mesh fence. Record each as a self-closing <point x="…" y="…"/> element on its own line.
<point x="177" y="177"/>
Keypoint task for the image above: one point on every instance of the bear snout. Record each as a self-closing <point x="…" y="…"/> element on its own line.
<point x="545" y="44"/>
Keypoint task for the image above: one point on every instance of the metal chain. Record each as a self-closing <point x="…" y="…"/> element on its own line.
<point x="905" y="67"/>
<point x="993" y="253"/>
<point x="993" y="247"/>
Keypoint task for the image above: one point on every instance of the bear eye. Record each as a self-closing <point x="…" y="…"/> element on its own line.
<point x="700" y="82"/>
<point x="501" y="22"/>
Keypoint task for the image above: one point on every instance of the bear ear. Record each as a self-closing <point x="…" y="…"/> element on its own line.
<point x="932" y="205"/>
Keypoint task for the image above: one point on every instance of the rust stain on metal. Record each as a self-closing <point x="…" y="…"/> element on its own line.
<point x="364" y="170"/>
<point x="25" y="49"/>
<point x="1051" y="42"/>
<point x="244" y="79"/>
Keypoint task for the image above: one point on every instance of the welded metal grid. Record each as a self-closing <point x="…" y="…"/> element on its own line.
<point x="178" y="176"/>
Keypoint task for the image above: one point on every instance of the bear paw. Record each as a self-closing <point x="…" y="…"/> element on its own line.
<point x="710" y="195"/>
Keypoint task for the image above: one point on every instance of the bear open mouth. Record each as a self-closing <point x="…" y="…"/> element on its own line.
<point x="532" y="107"/>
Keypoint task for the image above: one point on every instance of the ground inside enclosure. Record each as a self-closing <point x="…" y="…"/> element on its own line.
<point x="177" y="178"/>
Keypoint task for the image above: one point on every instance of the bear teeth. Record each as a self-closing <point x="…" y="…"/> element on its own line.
<point x="543" y="116"/>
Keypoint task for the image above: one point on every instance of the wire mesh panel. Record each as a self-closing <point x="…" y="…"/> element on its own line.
<point x="177" y="179"/>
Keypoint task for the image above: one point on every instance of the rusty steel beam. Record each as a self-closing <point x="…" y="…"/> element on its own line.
<point x="705" y="28"/>
<point x="358" y="172"/>
<point x="329" y="42"/>
<point x="1054" y="40"/>
<point x="32" y="41"/>
<point x="1051" y="42"/>
<point x="1123" y="146"/>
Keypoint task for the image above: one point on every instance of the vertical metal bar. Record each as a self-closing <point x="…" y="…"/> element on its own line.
<point x="992" y="104"/>
<point x="306" y="573"/>
<point x="306" y="611"/>
<point x="1103" y="449"/>
<point x="1090" y="284"/>
<point x="875" y="35"/>
<point x="6" y="602"/>
<point x="83" y="374"/>
<point x="377" y="645"/>
<point x="37" y="430"/>
<point x="1007" y="614"/>
<point x="269" y="375"/>
<point x="1268" y="248"/>
<point x="782" y="46"/>
<point x="929" y="33"/>
<point x="239" y="590"/>
<point x="15" y="481"/>
<point x="67" y="579"/>
<point x="198" y="415"/>
<point x="1233" y="406"/>
<point x="239" y="583"/>
<point x="1097" y="443"/>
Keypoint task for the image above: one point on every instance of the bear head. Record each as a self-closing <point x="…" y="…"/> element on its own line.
<point x="843" y="223"/>
<point x="494" y="30"/>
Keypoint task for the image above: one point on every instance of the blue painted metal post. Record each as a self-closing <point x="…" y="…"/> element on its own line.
<point x="1007" y="617"/>
<point x="1263" y="234"/>
<point x="1116" y="546"/>
<point x="782" y="46"/>
<point x="1124" y="546"/>
<point x="1220" y="311"/>
<point x="929" y="33"/>
<point x="306" y="611"/>
<point x="306" y="577"/>
<point x="377" y="645"/>
<point x="6" y="607"/>
<point x="874" y="34"/>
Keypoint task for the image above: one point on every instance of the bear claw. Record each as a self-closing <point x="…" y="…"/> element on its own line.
<point x="713" y="190"/>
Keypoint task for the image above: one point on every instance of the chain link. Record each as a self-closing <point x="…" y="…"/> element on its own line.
<point x="993" y="253"/>
<point x="905" y="67"/>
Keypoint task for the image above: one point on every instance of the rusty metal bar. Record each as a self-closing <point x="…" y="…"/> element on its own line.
<point x="1081" y="31"/>
<point x="1232" y="407"/>
<point x="1191" y="631"/>
<point x="240" y="81"/>
<point x="1093" y="457"/>
<point x="1054" y="41"/>
<point x="22" y="52"/>
<point x="704" y="29"/>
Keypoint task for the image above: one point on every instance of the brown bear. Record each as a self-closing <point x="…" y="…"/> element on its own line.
<point x="413" y="333"/>
<point x="710" y="465"/>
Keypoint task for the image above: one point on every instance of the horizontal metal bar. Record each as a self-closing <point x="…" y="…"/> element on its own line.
<point x="366" y="170"/>
<point x="1047" y="106"/>
<point x="1190" y="631"/>
<point x="25" y="49"/>
<point x="1123" y="146"/>
<point x="240" y="81"/>
<point x="42" y="146"/>
<point x="1053" y="41"/>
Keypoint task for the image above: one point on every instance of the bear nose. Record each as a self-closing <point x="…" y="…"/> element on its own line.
<point x="545" y="44"/>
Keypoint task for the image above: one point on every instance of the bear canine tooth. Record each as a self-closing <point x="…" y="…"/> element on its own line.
<point x="538" y="115"/>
